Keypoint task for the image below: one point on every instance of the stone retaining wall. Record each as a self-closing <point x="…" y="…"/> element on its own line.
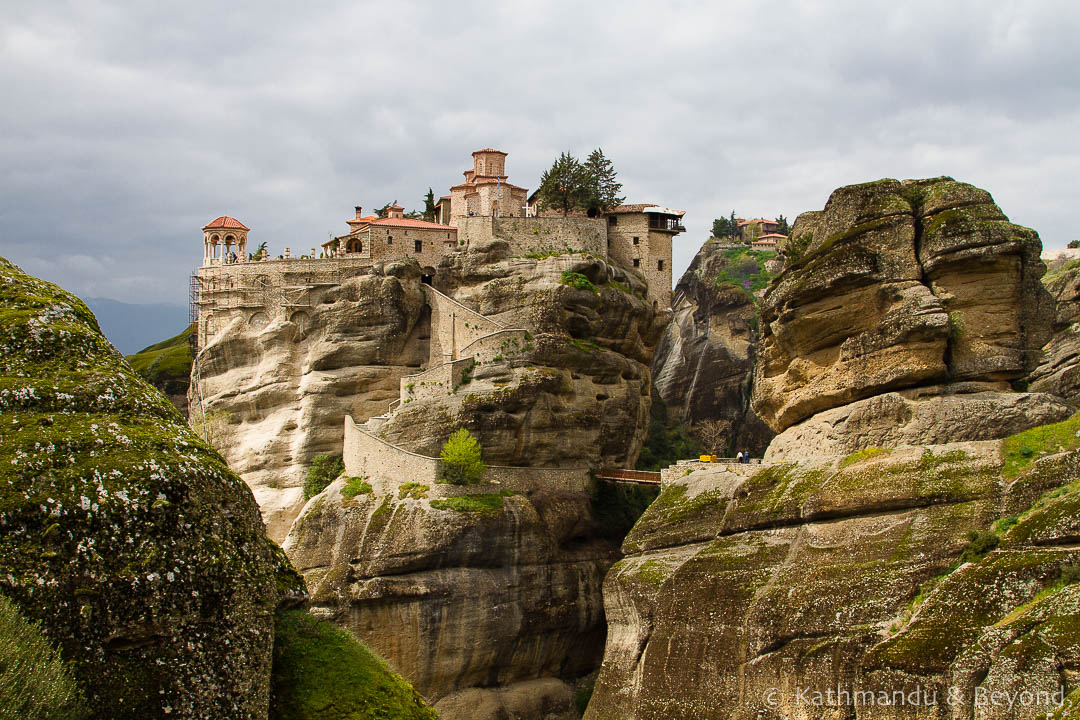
<point x="367" y="455"/>
<point x="454" y="326"/>
<point x="505" y="344"/>
<point x="437" y="382"/>
<point x="543" y="234"/>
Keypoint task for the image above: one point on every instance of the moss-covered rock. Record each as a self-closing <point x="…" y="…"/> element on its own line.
<point x="879" y="572"/>
<point x="322" y="672"/>
<point x="141" y="554"/>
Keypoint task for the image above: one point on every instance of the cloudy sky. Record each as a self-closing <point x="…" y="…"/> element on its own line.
<point x="125" y="127"/>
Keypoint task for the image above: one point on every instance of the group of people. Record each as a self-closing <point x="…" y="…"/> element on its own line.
<point x="743" y="457"/>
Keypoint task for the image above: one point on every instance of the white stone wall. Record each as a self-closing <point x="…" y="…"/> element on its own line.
<point x="436" y="382"/>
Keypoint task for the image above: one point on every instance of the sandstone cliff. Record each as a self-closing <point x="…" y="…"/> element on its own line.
<point x="703" y="366"/>
<point x="124" y="534"/>
<point x="486" y="604"/>
<point x="749" y="591"/>
<point x="920" y="284"/>
<point x="274" y="396"/>
<point x="1059" y="371"/>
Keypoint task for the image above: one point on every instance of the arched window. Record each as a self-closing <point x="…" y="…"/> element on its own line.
<point x="354" y="245"/>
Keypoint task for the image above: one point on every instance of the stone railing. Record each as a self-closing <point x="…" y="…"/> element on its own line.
<point x="503" y="343"/>
<point x="436" y="382"/>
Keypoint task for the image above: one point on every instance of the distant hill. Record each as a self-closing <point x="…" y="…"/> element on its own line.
<point x="131" y="327"/>
<point x="167" y="365"/>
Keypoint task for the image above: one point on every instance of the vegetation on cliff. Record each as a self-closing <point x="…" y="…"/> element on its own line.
<point x="461" y="461"/>
<point x="322" y="672"/>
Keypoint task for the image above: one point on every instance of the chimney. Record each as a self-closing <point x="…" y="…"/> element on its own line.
<point x="358" y="215"/>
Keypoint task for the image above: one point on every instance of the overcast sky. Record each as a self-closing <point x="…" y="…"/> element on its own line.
<point x="126" y="127"/>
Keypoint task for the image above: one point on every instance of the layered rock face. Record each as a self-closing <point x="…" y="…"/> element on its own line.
<point x="126" y="536"/>
<point x="1059" y="371"/>
<point x="703" y="366"/>
<point x="575" y="393"/>
<point x="484" y="611"/>
<point x="904" y="285"/>
<point x="273" y="397"/>
<point x="764" y="591"/>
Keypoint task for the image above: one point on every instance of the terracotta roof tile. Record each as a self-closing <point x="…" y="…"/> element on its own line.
<point x="225" y="222"/>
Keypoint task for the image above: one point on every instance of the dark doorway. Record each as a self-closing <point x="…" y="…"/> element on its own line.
<point x="426" y="279"/>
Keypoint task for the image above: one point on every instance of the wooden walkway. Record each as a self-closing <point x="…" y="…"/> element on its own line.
<point x="642" y="477"/>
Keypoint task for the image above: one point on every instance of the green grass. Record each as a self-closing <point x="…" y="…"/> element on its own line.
<point x="864" y="454"/>
<point x="34" y="680"/>
<point x="356" y="486"/>
<point x="322" y="672"/>
<point x="414" y="490"/>
<point x="167" y="364"/>
<point x="490" y="503"/>
<point x="1024" y="448"/>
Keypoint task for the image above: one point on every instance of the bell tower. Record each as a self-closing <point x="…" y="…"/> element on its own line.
<point x="224" y="241"/>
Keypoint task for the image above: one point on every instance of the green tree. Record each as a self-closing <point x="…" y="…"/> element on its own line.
<point x="601" y="187"/>
<point x="1074" y="243"/>
<point x="563" y="185"/>
<point x="323" y="470"/>
<point x="461" y="460"/>
<point x="34" y="681"/>
<point x="725" y="227"/>
<point x="782" y="226"/>
<point x="385" y="209"/>
<point x="429" y="206"/>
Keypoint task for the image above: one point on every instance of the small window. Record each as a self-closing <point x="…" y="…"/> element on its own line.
<point x="406" y="232"/>
<point x="613" y="220"/>
<point x="389" y="239"/>
<point x="659" y="264"/>
<point x="637" y="262"/>
<point x="636" y="240"/>
<point x="419" y="245"/>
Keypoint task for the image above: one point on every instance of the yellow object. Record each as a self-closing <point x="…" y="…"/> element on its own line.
<point x="706" y="458"/>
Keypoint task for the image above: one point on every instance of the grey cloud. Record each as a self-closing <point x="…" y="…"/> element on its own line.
<point x="128" y="126"/>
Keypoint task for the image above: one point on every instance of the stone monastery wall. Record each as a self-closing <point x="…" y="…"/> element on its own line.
<point x="542" y="234"/>
<point x="454" y="326"/>
<point x="367" y="455"/>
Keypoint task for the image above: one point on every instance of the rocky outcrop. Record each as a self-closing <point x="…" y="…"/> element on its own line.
<point x="272" y="397"/>
<point x="907" y="284"/>
<point x="486" y="603"/>
<point x="703" y="366"/>
<point x="1059" y="371"/>
<point x="753" y="591"/>
<point x="936" y="415"/>
<point x="275" y="396"/>
<point x="143" y="557"/>
<point x="574" y="392"/>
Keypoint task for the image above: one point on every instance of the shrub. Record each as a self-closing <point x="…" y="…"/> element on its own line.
<point x="34" y="681"/>
<point x="579" y="281"/>
<point x="980" y="545"/>
<point x="461" y="459"/>
<point x="414" y="490"/>
<point x="322" y="471"/>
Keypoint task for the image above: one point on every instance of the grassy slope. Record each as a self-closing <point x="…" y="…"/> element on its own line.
<point x="167" y="365"/>
<point x="322" y="672"/>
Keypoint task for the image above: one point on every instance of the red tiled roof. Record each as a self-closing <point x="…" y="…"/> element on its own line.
<point x="771" y="235"/>
<point x="410" y="222"/>
<point x="484" y="150"/>
<point x="758" y="220"/>
<point x="225" y="222"/>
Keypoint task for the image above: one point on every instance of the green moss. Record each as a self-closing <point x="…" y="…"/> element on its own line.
<point x="324" y="469"/>
<point x="653" y="572"/>
<point x="486" y="504"/>
<point x="745" y="270"/>
<point x="1022" y="449"/>
<point x="414" y="490"/>
<point x="322" y="672"/>
<point x="613" y="285"/>
<point x="356" y="486"/>
<point x="864" y="454"/>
